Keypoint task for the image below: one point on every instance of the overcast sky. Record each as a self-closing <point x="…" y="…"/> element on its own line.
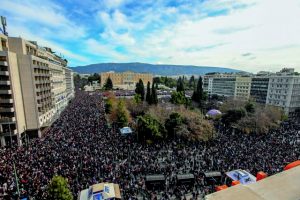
<point x="250" y="35"/>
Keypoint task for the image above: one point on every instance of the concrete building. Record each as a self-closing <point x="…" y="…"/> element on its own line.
<point x="12" y="113"/>
<point x="242" y="88"/>
<point x="223" y="86"/>
<point x="208" y="78"/>
<point x="125" y="80"/>
<point x="259" y="89"/>
<point x="284" y="90"/>
<point x="40" y="83"/>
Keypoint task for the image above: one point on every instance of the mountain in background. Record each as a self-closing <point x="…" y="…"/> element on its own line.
<point x="157" y="69"/>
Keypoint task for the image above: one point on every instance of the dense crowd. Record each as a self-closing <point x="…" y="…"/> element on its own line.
<point x="81" y="147"/>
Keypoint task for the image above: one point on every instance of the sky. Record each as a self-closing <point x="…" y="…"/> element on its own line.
<point x="250" y="35"/>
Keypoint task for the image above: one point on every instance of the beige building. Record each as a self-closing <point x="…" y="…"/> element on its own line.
<point x="126" y="80"/>
<point x="12" y="113"/>
<point x="242" y="88"/>
<point x="42" y="85"/>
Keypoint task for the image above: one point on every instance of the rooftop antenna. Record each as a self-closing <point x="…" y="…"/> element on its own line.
<point x="3" y="22"/>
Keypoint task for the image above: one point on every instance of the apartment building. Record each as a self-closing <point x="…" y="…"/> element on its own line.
<point x="12" y="114"/>
<point x="208" y="80"/>
<point x="43" y="86"/>
<point x="125" y="80"/>
<point x="284" y="90"/>
<point x="223" y="86"/>
<point x="259" y="89"/>
<point x="242" y="88"/>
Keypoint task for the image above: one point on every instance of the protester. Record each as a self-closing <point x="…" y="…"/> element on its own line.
<point x="81" y="147"/>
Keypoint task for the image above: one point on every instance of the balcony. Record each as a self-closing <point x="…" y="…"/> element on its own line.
<point x="5" y="92"/>
<point x="7" y="120"/>
<point x="4" y="73"/>
<point x="6" y="100"/>
<point x="3" y="63"/>
<point x="7" y="133"/>
<point x="2" y="109"/>
<point x="4" y="82"/>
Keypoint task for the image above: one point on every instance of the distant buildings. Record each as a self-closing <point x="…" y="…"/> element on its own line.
<point x="125" y="80"/>
<point x="284" y="90"/>
<point x="35" y="86"/>
<point x="259" y="89"/>
<point x="242" y="88"/>
<point x="281" y="89"/>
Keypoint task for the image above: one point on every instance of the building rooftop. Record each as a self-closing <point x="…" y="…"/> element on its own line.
<point x="284" y="185"/>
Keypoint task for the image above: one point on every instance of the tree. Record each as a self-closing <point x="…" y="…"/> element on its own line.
<point x="137" y="98"/>
<point x="192" y="83"/>
<point x="180" y="86"/>
<point x="173" y="123"/>
<point x="80" y="82"/>
<point x="148" y="95"/>
<point x="108" y="106"/>
<point x="250" y="107"/>
<point x="122" y="114"/>
<point x="232" y="116"/>
<point x="154" y="99"/>
<point x="94" y="77"/>
<point x="108" y="84"/>
<point x="198" y="95"/>
<point x="140" y="89"/>
<point x="178" y="98"/>
<point x="58" y="189"/>
<point x="149" y="128"/>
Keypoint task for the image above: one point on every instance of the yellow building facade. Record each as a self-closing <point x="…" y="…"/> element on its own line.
<point x="126" y="80"/>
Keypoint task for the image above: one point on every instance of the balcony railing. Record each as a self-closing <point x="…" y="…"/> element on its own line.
<point x="7" y="119"/>
<point x="4" y="82"/>
<point x="7" y="133"/>
<point x="5" y="91"/>
<point x="2" y="109"/>
<point x="3" y="63"/>
<point x="4" y="73"/>
<point x="6" y="100"/>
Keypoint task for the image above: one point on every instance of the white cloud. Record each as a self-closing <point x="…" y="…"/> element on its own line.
<point x="47" y="15"/>
<point x="26" y="34"/>
<point x="96" y="48"/>
<point x="257" y="29"/>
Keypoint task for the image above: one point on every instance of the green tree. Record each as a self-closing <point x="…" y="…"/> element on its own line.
<point x="108" y="106"/>
<point x="94" y="77"/>
<point x="137" y="98"/>
<point x="250" y="107"/>
<point x="58" y="189"/>
<point x="180" y="86"/>
<point x="233" y="115"/>
<point x="198" y="95"/>
<point x="140" y="89"/>
<point x="192" y="83"/>
<point x="178" y="98"/>
<point x="108" y="84"/>
<point x="154" y="99"/>
<point x="149" y="128"/>
<point x="173" y="123"/>
<point x="122" y="114"/>
<point x="148" y="95"/>
<point x="80" y="82"/>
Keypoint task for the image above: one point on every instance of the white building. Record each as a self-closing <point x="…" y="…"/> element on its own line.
<point x="284" y="90"/>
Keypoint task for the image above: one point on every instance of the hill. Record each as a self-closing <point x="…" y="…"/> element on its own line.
<point x="157" y="69"/>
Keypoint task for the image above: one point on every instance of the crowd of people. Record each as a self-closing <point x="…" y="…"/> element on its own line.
<point x="83" y="148"/>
